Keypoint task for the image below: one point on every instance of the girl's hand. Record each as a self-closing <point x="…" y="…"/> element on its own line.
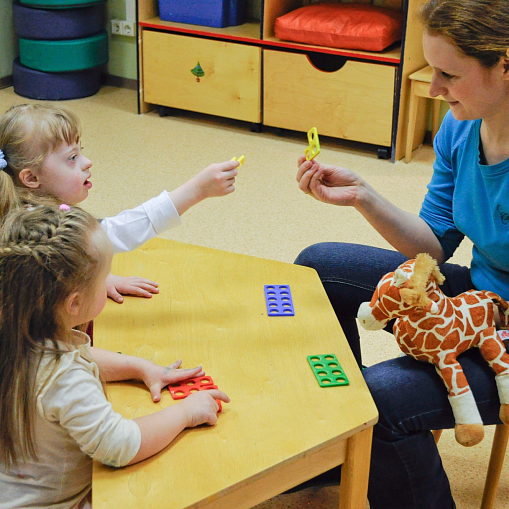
<point x="157" y="377"/>
<point x="327" y="183"/>
<point x="216" y="180"/>
<point x="202" y="408"/>
<point x="138" y="286"/>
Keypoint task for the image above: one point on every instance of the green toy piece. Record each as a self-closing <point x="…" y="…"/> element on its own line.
<point x="327" y="370"/>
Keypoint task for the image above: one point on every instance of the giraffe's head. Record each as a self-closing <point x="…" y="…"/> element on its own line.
<point x="402" y="292"/>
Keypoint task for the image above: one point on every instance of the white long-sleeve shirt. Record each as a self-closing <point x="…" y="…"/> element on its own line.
<point x="132" y="228"/>
<point x="74" y="423"/>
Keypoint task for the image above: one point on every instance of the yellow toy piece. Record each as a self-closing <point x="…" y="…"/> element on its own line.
<point x="314" y="144"/>
<point x="240" y="160"/>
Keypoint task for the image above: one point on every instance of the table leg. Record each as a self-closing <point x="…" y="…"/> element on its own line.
<point x="353" y="491"/>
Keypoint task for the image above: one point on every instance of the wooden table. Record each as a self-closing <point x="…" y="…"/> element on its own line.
<point x="280" y="429"/>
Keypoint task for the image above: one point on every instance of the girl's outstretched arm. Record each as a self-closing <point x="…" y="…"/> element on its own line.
<point x="115" y="367"/>
<point x="215" y="180"/>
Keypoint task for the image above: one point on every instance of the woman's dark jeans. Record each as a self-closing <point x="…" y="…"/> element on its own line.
<point x="406" y="469"/>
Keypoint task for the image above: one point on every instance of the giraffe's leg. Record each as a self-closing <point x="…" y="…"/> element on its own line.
<point x="493" y="350"/>
<point x="469" y="429"/>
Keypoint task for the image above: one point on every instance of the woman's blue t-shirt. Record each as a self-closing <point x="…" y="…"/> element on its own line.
<point x="468" y="198"/>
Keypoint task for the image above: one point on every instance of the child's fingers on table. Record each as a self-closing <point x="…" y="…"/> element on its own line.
<point x="115" y="296"/>
<point x="146" y="286"/>
<point x="217" y="394"/>
<point x="174" y="365"/>
<point x="143" y="280"/>
<point x="136" y="291"/>
<point x="177" y="375"/>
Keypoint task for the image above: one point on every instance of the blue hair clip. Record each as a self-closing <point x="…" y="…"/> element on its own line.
<point x="3" y="162"/>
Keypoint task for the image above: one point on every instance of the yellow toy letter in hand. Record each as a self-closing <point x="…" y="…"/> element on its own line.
<point x="314" y="144"/>
<point x="240" y="160"/>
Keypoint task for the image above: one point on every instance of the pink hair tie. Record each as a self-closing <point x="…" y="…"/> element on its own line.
<point x="64" y="207"/>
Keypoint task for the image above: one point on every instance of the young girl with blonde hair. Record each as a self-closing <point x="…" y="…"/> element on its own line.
<point x="55" y="416"/>
<point x="40" y="153"/>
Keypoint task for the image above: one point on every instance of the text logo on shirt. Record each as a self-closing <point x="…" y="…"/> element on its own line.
<point x="504" y="216"/>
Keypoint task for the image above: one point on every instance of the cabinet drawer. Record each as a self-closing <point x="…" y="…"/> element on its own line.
<point x="214" y="77"/>
<point x="354" y="102"/>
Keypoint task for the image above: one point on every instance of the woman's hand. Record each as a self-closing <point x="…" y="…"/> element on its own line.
<point x="329" y="184"/>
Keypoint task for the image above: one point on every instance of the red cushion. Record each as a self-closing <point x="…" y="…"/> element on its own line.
<point x="337" y="25"/>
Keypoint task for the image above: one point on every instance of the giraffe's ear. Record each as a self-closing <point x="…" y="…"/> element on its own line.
<point x="400" y="278"/>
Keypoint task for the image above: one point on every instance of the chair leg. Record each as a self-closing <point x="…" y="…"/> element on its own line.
<point x="437" y="433"/>
<point x="495" y="466"/>
<point x="435" y="117"/>
<point x="412" y="119"/>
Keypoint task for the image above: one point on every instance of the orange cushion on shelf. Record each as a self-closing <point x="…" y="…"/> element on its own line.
<point x="339" y="25"/>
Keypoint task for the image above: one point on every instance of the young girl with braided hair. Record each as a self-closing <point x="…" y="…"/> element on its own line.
<point x="55" y="416"/>
<point x="40" y="153"/>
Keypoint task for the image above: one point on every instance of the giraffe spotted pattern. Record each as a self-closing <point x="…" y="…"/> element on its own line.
<point x="432" y="327"/>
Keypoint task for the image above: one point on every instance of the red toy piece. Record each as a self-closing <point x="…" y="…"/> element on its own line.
<point x="183" y="389"/>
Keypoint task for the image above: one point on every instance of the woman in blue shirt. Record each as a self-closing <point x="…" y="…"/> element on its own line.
<point x="466" y="42"/>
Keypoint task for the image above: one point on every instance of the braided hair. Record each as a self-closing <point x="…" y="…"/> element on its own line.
<point x="45" y="255"/>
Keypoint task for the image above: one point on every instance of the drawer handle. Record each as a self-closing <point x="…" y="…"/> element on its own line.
<point x="325" y="62"/>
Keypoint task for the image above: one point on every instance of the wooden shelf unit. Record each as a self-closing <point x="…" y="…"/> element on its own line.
<point x="360" y="95"/>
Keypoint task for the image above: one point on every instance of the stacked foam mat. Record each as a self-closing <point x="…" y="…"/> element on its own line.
<point x="62" y="46"/>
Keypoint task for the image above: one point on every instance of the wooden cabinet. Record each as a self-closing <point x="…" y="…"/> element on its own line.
<point x="364" y="98"/>
<point x="355" y="102"/>
<point x="208" y="76"/>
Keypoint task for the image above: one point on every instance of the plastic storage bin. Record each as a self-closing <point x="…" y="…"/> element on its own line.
<point x="211" y="13"/>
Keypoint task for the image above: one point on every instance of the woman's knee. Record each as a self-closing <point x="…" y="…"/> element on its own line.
<point x="314" y="255"/>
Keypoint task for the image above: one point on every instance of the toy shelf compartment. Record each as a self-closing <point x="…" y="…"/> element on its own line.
<point x="273" y="9"/>
<point x="248" y="32"/>
<point x="204" y="75"/>
<point x="347" y="99"/>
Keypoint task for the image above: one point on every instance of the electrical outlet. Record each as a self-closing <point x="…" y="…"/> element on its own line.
<point x="128" y="28"/>
<point x="116" y="26"/>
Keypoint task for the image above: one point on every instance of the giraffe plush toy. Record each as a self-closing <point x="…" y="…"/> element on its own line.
<point x="434" y="328"/>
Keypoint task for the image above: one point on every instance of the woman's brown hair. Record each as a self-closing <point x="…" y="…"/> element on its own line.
<point x="479" y="28"/>
<point x="45" y="255"/>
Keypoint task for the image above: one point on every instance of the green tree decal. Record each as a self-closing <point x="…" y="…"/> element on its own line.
<point x="198" y="71"/>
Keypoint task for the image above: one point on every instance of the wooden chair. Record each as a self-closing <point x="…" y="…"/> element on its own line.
<point x="420" y="89"/>
<point x="498" y="449"/>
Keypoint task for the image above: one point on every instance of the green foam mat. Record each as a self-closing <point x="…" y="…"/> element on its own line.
<point x="59" y="4"/>
<point x="64" y="56"/>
